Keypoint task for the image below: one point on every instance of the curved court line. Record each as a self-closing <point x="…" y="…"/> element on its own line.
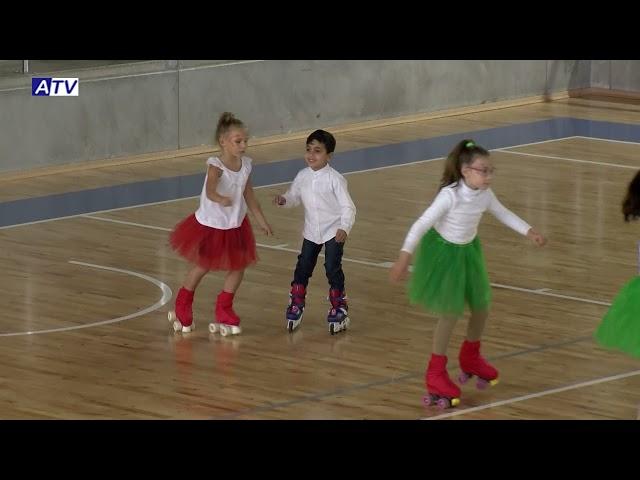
<point x="166" y="296"/>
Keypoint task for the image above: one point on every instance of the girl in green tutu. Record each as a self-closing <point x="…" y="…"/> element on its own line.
<point x="449" y="269"/>
<point x="620" y="327"/>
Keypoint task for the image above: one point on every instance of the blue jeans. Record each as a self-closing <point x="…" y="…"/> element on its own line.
<point x="332" y="264"/>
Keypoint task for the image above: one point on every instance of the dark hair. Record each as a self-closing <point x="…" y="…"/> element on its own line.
<point x="324" y="138"/>
<point x="226" y="122"/>
<point x="631" y="203"/>
<point x="462" y="154"/>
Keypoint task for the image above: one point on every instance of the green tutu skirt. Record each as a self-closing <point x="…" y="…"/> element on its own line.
<point x="447" y="276"/>
<point x="620" y="327"/>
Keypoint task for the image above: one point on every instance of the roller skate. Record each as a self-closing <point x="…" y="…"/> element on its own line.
<point x="338" y="316"/>
<point x="441" y="391"/>
<point x="227" y="322"/>
<point x="472" y="363"/>
<point x="182" y="317"/>
<point x="295" y="309"/>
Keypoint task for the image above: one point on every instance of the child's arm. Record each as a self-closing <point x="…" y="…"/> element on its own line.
<point x="292" y="197"/>
<point x="441" y="204"/>
<point x="513" y="221"/>
<point x="347" y="210"/>
<point x="254" y="207"/>
<point x="213" y="176"/>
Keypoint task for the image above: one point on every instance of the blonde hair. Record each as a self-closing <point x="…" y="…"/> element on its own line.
<point x="226" y="122"/>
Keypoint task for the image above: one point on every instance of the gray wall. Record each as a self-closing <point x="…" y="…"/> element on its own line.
<point x="616" y="75"/>
<point x="163" y="108"/>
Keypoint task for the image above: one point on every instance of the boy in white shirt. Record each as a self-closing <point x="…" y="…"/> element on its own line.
<point x="329" y="215"/>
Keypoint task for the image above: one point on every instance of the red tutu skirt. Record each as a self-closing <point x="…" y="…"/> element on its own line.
<point x="212" y="248"/>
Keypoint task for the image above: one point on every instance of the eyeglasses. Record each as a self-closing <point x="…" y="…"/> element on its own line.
<point x="485" y="172"/>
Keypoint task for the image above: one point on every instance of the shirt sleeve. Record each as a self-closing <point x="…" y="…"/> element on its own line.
<point x="440" y="205"/>
<point x="293" y="194"/>
<point x="347" y="207"/>
<point x="506" y="216"/>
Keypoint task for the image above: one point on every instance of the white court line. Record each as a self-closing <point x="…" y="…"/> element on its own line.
<point x="617" y="165"/>
<point x="607" y="140"/>
<point x="539" y="291"/>
<point x="543" y="291"/>
<point x="255" y="187"/>
<point x="164" y="299"/>
<point x="535" y="395"/>
<point x="281" y="247"/>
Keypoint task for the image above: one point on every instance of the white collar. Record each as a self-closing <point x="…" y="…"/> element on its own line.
<point x="467" y="191"/>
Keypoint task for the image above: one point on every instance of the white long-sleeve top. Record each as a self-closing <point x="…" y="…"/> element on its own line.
<point x="326" y="201"/>
<point x="455" y="214"/>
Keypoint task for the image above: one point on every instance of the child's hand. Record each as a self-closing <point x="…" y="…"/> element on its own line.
<point x="400" y="269"/>
<point x="279" y="200"/>
<point x="266" y="229"/>
<point x="341" y="236"/>
<point x="225" y="201"/>
<point x="536" y="237"/>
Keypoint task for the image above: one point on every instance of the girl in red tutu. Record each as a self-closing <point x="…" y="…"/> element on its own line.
<point x="218" y="235"/>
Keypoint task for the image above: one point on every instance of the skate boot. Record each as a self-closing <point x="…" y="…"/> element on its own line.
<point x="295" y="309"/>
<point x="182" y="317"/>
<point x="227" y="322"/>
<point x="472" y="363"/>
<point x="338" y="316"/>
<point x="441" y="391"/>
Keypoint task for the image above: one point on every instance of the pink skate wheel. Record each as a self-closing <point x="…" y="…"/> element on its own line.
<point x="463" y="378"/>
<point x="443" y="403"/>
<point x="427" y="400"/>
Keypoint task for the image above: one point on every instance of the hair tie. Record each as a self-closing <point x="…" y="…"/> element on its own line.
<point x="469" y="144"/>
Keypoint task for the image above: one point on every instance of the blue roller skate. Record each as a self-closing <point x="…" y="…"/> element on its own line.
<point x="338" y="316"/>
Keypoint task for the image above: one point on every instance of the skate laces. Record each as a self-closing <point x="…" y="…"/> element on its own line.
<point x="338" y="302"/>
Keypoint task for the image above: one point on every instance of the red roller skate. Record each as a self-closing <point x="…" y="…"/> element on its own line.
<point x="227" y="322"/>
<point x="472" y="363"/>
<point x="182" y="317"/>
<point x="441" y="390"/>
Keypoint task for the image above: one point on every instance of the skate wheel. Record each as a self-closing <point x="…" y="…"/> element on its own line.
<point x="173" y="320"/>
<point x="463" y="378"/>
<point x="235" y="330"/>
<point x="292" y="325"/>
<point x="427" y="400"/>
<point x="443" y="403"/>
<point x="213" y="328"/>
<point x="224" y="331"/>
<point x="482" y="384"/>
<point x="332" y="329"/>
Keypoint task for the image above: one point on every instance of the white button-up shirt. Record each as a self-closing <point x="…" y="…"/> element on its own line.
<point x="326" y="201"/>
<point x="456" y="212"/>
